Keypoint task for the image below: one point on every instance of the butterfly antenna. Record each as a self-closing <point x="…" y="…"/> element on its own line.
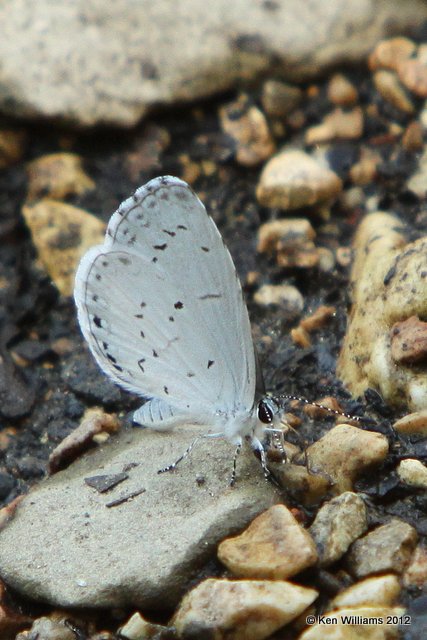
<point x="322" y="406"/>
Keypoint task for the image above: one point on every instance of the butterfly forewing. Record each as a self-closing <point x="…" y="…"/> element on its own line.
<point x="161" y="306"/>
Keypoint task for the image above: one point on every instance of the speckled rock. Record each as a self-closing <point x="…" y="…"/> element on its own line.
<point x="143" y="54"/>
<point x="172" y="524"/>
<point x="388" y="287"/>
<point x="389" y="53"/>
<point x="274" y="547"/>
<point x="344" y="453"/>
<point x="416" y="572"/>
<point x="290" y="240"/>
<point x="293" y="179"/>
<point x="57" y="176"/>
<point x="337" y="525"/>
<point x="386" y="548"/>
<point x="240" y="610"/>
<point x="341" y="91"/>
<point x="379" y="590"/>
<point x="417" y="182"/>
<point x="62" y="234"/>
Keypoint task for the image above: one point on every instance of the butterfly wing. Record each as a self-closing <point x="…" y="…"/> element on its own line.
<point x="161" y="306"/>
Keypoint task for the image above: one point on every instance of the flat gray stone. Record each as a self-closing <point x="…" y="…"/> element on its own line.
<point x="90" y="63"/>
<point x="65" y="546"/>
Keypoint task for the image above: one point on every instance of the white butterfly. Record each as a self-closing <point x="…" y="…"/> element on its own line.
<point x="161" y="307"/>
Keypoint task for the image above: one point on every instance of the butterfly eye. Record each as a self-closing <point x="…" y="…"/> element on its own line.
<point x="265" y="412"/>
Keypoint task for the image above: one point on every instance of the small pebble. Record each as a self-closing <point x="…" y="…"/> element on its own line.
<point x="387" y="548"/>
<point x="240" y="609"/>
<point x="412" y="424"/>
<point x="338" y="125"/>
<point x="293" y="179"/>
<point x="318" y="319"/>
<point x="366" y="169"/>
<point x="57" y="176"/>
<point x="300" y="337"/>
<point x="379" y="590"/>
<point x="412" y="139"/>
<point x="12" y="146"/>
<point x="345" y="453"/>
<point x="416" y="572"/>
<point x="274" y="547"/>
<point x="337" y="525"/>
<point x="137" y="628"/>
<point x="247" y="126"/>
<point x="62" y="234"/>
<point x="413" y="473"/>
<point x="389" y="53"/>
<point x="341" y="91"/>
<point x="413" y="75"/>
<point x="282" y="295"/>
<point x="391" y="90"/>
<point x="279" y="98"/>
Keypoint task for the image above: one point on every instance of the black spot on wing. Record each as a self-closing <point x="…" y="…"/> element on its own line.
<point x="170" y="233"/>
<point x="190" y="374"/>
<point x="182" y="227"/>
<point x="160" y="247"/>
<point x="178" y="305"/>
<point x="205" y="249"/>
<point x="125" y="261"/>
<point x="140" y="316"/>
<point x="155" y="354"/>
<point x="142" y="334"/>
<point x="97" y="321"/>
<point x="210" y="363"/>
<point x="140" y="363"/>
<point x="171" y="319"/>
<point x="116" y="366"/>
<point x="166" y="390"/>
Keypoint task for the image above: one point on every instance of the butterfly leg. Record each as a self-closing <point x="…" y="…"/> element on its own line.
<point x="184" y="455"/>
<point x="188" y="451"/>
<point x="236" y="455"/>
<point x="257" y="446"/>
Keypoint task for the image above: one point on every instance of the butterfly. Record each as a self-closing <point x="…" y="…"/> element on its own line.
<point x="161" y="307"/>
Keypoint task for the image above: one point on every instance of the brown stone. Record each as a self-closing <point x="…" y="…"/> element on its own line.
<point x="409" y="341"/>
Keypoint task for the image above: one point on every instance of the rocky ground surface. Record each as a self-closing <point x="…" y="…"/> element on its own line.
<point x="318" y="185"/>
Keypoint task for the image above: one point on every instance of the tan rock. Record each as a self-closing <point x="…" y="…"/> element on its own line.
<point x="389" y="53"/>
<point x="341" y="91"/>
<point x="57" y="176"/>
<point x="247" y="125"/>
<point x="413" y="423"/>
<point x="293" y="179"/>
<point x="416" y="572"/>
<point x="417" y="182"/>
<point x="389" y="87"/>
<point x="318" y="319"/>
<point x="62" y="234"/>
<point x="304" y="486"/>
<point x="280" y="98"/>
<point x="338" y="125"/>
<point x="12" y="146"/>
<point x="412" y="139"/>
<point x="413" y="75"/>
<point x="137" y="628"/>
<point x="413" y="473"/>
<point x="274" y="546"/>
<point x="338" y="627"/>
<point x="365" y="170"/>
<point x="240" y="610"/>
<point x="387" y="548"/>
<point x="379" y="590"/>
<point x="292" y="240"/>
<point x="337" y="525"/>
<point x="344" y="453"/>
